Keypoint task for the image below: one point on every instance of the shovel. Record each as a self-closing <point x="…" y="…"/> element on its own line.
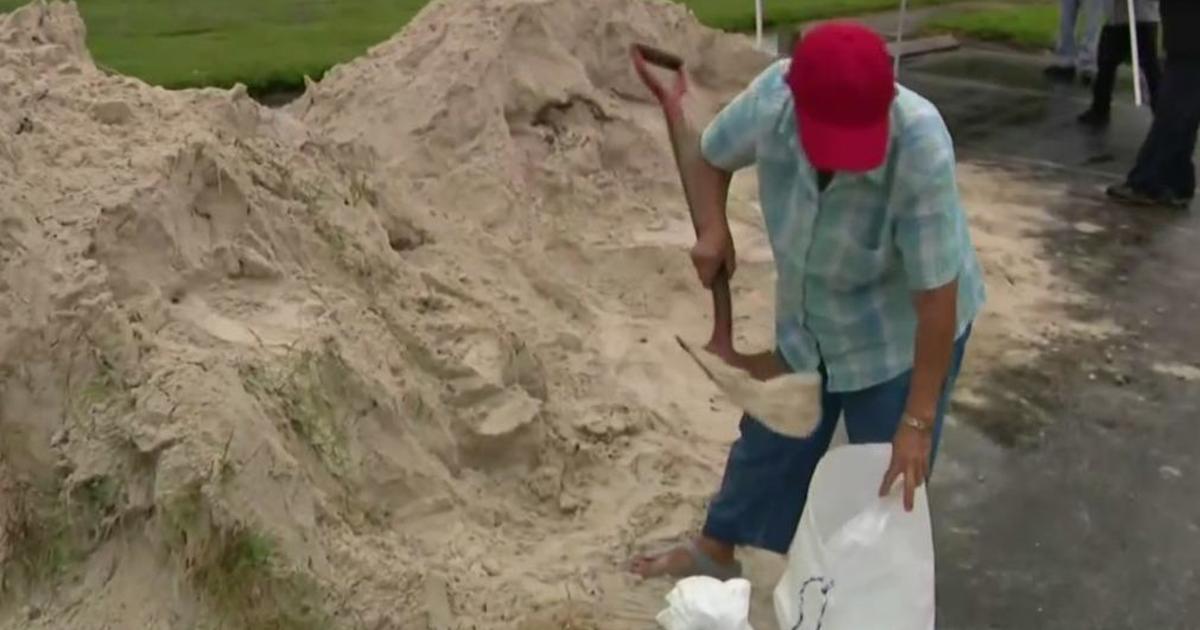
<point x="788" y="404"/>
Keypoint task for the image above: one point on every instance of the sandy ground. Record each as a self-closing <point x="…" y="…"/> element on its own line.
<point x="398" y="356"/>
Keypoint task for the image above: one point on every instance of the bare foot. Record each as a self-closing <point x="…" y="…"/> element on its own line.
<point x="700" y="557"/>
<point x="677" y="563"/>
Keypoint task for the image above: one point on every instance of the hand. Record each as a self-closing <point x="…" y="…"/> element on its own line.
<point x="910" y="458"/>
<point x="712" y="251"/>
<point x="671" y="98"/>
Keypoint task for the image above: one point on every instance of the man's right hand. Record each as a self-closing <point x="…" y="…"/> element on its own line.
<point x="712" y="252"/>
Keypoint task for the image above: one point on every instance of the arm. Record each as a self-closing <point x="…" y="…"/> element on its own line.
<point x="937" y="321"/>
<point x="929" y="235"/>
<point x="728" y="144"/>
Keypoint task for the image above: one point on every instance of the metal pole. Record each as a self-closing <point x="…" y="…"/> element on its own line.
<point x="900" y="38"/>
<point x="1133" y="54"/>
<point x="758" y="24"/>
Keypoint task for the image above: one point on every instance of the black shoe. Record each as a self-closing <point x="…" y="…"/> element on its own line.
<point x="1060" y="73"/>
<point x="1129" y="195"/>
<point x="1180" y="203"/>
<point x="1093" y="118"/>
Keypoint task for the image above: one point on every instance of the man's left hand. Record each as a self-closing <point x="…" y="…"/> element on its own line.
<point x="910" y="458"/>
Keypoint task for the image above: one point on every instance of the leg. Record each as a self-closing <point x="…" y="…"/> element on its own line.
<point x="1111" y="52"/>
<point x="873" y="414"/>
<point x="1065" y="50"/>
<point x="761" y="497"/>
<point x="1182" y="170"/>
<point x="1164" y="169"/>
<point x="1093" y="22"/>
<point x="1063" y="67"/>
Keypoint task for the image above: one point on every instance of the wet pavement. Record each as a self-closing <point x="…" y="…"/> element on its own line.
<point x="1093" y="520"/>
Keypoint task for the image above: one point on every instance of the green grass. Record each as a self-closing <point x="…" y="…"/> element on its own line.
<point x="1030" y="26"/>
<point x="270" y="45"/>
<point x="266" y="44"/>
<point x="738" y="15"/>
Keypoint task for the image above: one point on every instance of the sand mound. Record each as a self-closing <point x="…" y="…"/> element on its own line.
<point x="247" y="358"/>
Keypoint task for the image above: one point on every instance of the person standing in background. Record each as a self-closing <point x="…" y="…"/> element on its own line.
<point x="1077" y="51"/>
<point x="1115" y="50"/>
<point x="1165" y="174"/>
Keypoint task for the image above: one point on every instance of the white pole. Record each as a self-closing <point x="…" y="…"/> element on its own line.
<point x="899" y="38"/>
<point x="758" y="24"/>
<point x="1133" y="55"/>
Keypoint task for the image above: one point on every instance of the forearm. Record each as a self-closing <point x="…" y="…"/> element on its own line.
<point x="937" y="321"/>
<point x="712" y="197"/>
<point x="706" y="187"/>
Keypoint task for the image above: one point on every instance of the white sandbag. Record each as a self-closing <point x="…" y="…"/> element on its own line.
<point x="858" y="562"/>
<point x="706" y="603"/>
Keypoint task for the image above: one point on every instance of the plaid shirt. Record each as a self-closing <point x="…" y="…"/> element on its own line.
<point x="848" y="259"/>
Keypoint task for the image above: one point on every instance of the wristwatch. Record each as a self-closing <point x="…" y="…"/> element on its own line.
<point x="917" y="423"/>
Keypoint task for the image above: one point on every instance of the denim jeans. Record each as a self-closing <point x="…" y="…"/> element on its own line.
<point x="767" y="474"/>
<point x="1079" y="49"/>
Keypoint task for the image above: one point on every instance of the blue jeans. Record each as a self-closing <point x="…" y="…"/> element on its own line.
<point x="767" y="474"/>
<point x="1074" y="49"/>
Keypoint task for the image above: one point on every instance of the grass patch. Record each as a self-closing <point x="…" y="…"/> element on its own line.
<point x="732" y="15"/>
<point x="1027" y="26"/>
<point x="266" y="44"/>
<point x="37" y="532"/>
<point x="247" y="583"/>
<point x="270" y="45"/>
<point x="240" y="572"/>
<point x="46" y="531"/>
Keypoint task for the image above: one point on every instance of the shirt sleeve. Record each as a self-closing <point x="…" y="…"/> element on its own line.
<point x="929" y="216"/>
<point x="729" y="140"/>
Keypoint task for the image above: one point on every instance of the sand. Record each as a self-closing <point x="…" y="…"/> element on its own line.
<point x="400" y="355"/>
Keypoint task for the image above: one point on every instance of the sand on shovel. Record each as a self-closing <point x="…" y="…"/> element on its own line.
<point x="789" y="404"/>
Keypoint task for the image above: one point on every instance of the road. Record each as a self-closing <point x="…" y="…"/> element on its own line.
<point x="1094" y="521"/>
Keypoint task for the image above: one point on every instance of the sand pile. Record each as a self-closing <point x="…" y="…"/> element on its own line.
<point x="399" y="356"/>
<point x="289" y="383"/>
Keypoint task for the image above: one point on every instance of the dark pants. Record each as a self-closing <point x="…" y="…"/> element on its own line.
<point x="767" y="474"/>
<point x="1164" y="167"/>
<point x="1114" y="51"/>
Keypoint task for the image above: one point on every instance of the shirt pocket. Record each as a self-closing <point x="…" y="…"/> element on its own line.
<point x="850" y="266"/>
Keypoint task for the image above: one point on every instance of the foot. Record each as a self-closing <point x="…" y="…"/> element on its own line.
<point x="686" y="560"/>
<point x="1060" y="73"/>
<point x="1093" y="118"/>
<point x="1129" y="195"/>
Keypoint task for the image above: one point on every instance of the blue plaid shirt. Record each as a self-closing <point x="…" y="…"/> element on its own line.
<point x="849" y="259"/>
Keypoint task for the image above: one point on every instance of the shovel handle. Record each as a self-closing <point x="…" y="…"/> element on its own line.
<point x="659" y="57"/>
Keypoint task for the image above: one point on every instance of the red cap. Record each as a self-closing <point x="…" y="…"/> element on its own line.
<point x="843" y="84"/>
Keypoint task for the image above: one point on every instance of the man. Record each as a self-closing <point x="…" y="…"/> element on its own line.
<point x="1115" y="50"/>
<point x="1164" y="173"/>
<point x="1077" y="51"/>
<point x="877" y="280"/>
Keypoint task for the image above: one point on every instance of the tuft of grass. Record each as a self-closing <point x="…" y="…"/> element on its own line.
<point x="239" y="570"/>
<point x="46" y="531"/>
<point x="1026" y="26"/>
<point x="38" y="536"/>
<point x="247" y="583"/>
<point x="307" y="395"/>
